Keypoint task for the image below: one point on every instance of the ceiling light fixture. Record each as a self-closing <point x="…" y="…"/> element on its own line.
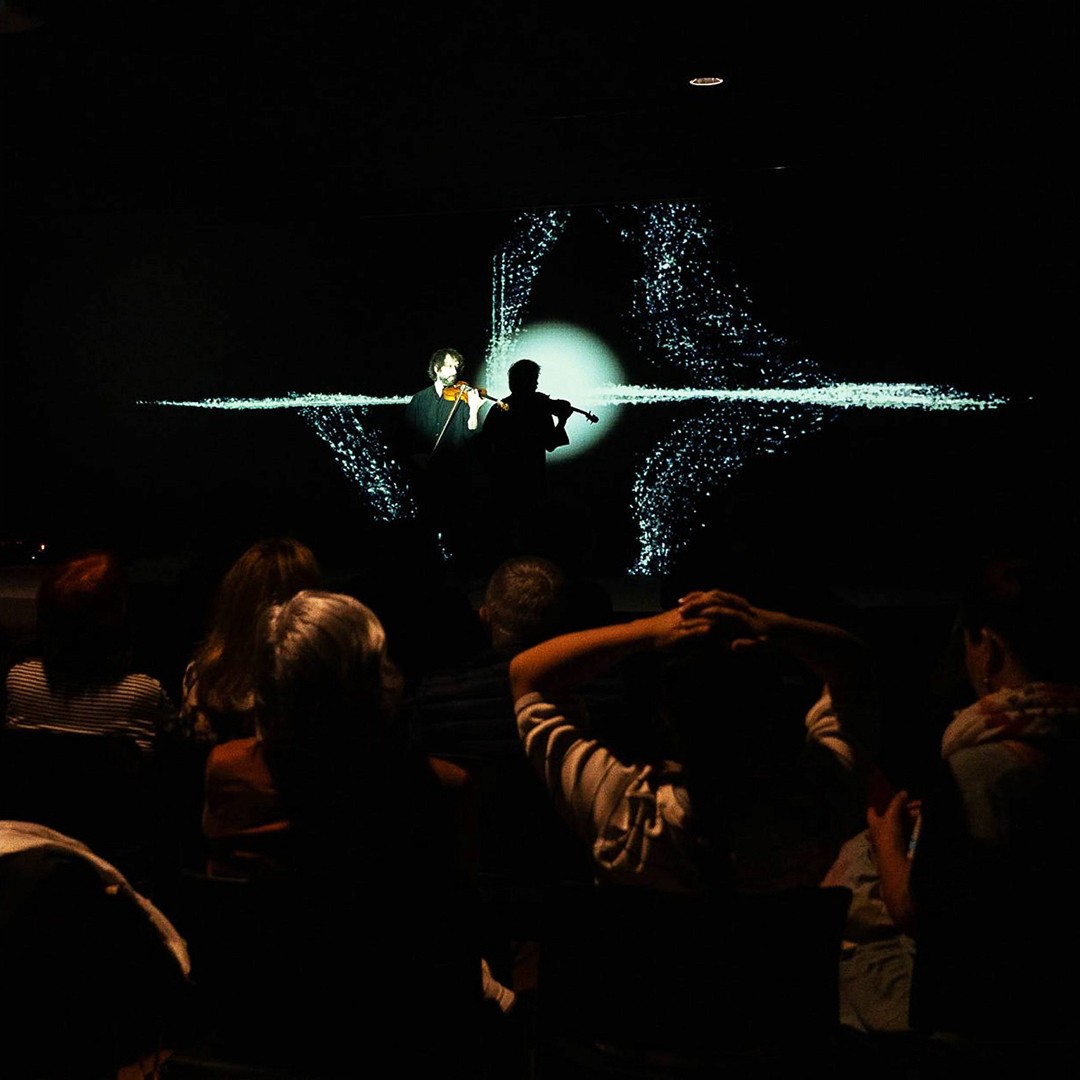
<point x="706" y="80"/>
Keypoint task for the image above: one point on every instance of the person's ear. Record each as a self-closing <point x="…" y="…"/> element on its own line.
<point x="485" y="615"/>
<point x="987" y="658"/>
<point x="997" y="653"/>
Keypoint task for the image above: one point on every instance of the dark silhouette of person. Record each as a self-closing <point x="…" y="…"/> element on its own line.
<point x="517" y="440"/>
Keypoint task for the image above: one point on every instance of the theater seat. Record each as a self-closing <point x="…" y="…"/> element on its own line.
<point x="638" y="983"/>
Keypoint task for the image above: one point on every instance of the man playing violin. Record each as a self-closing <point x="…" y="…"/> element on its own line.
<point x="518" y="439"/>
<point x="441" y="421"/>
<point x="444" y="417"/>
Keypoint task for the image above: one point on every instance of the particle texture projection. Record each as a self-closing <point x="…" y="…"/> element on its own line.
<point x="697" y="332"/>
<point x="364" y="458"/>
<point x="514" y="272"/>
<point x="699" y="456"/>
<point x="700" y="332"/>
<point x="693" y="324"/>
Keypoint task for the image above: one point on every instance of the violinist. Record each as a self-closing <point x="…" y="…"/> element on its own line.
<point x="517" y="439"/>
<point x="441" y="422"/>
<point x="442" y="418"/>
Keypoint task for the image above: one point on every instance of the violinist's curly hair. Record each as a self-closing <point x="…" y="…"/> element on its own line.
<point x="436" y="361"/>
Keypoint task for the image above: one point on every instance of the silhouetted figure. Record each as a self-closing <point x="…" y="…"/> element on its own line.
<point x="516" y="442"/>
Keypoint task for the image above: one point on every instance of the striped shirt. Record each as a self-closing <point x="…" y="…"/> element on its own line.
<point x="133" y="705"/>
<point x="636" y="818"/>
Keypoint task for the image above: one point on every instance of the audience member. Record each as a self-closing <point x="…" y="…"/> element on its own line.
<point x="327" y="695"/>
<point x="381" y="840"/>
<point x="742" y="799"/>
<point x="464" y="712"/>
<point x="82" y="682"/>
<point x="94" y="977"/>
<point x="464" y="708"/>
<point x="217" y="701"/>
<point x="974" y="870"/>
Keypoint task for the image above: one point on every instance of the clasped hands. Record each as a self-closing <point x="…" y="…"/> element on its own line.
<point x="714" y="613"/>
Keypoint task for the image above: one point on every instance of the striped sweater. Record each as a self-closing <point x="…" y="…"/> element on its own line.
<point x="134" y="705"/>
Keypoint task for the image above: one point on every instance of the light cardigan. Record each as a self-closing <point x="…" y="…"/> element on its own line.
<point x="17" y="837"/>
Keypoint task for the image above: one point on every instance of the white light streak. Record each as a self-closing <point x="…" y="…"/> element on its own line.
<point x="834" y="395"/>
<point x="289" y="401"/>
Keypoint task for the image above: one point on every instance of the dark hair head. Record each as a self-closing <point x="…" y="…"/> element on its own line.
<point x="269" y="572"/>
<point x="437" y="358"/>
<point x="525" y="601"/>
<point x="737" y="726"/>
<point x="523" y="375"/>
<point x="1032" y="602"/>
<point x="81" y="612"/>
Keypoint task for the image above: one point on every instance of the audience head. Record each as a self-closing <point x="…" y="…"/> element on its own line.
<point x="323" y="674"/>
<point x="1021" y="621"/>
<point x="524" y="602"/>
<point x="82" y="613"/>
<point x="707" y="683"/>
<point x="267" y="573"/>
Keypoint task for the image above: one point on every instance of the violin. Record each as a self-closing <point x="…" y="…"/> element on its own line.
<point x="557" y="406"/>
<point x="591" y="417"/>
<point x="460" y="391"/>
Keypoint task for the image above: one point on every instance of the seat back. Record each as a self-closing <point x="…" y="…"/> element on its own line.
<point x="96" y="788"/>
<point x="315" y="984"/>
<point x="687" y="982"/>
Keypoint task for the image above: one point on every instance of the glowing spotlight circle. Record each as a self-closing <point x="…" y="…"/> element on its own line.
<point x="574" y="364"/>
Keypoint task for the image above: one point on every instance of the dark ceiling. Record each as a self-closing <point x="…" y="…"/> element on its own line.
<point x="390" y="108"/>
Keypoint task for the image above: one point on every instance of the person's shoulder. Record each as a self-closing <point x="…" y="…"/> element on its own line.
<point x="142" y="681"/>
<point x="452" y="778"/>
<point x="145" y="688"/>
<point x="25" y="679"/>
<point x="235" y="755"/>
<point x="25" y="669"/>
